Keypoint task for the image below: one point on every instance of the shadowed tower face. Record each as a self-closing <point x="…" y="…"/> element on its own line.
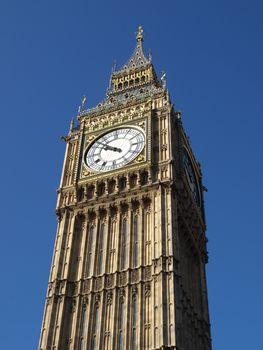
<point x="128" y="270"/>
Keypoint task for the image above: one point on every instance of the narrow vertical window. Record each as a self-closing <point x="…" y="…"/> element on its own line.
<point x="82" y="329"/>
<point x="134" y="317"/>
<point x="124" y="243"/>
<point x="147" y="240"/>
<point x="136" y="243"/>
<point x="147" y="321"/>
<point x="112" y="246"/>
<point x="108" y="321"/>
<point x="101" y="249"/>
<point x="121" y="327"/>
<point x="91" y="238"/>
<point x="95" y="326"/>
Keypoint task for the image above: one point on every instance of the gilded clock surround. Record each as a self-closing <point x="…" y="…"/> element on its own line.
<point x="128" y="269"/>
<point x="126" y="120"/>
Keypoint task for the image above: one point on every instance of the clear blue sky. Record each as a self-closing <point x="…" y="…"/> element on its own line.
<point x="53" y="52"/>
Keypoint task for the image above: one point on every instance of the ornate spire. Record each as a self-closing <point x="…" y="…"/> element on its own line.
<point x="138" y="58"/>
<point x="136" y="74"/>
<point x="133" y="81"/>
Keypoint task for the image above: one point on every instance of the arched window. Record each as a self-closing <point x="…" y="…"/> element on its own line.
<point x="91" y="191"/>
<point x="80" y="194"/>
<point x="121" y="326"/>
<point x="101" y="189"/>
<point x="90" y="241"/>
<point x="82" y="329"/>
<point x="134" y="320"/>
<point x="101" y="248"/>
<point x="144" y="178"/>
<point x="111" y="186"/>
<point x="122" y="183"/>
<point x="133" y="181"/>
<point x="95" y="327"/>
<point x="124" y="244"/>
<point x="136" y="241"/>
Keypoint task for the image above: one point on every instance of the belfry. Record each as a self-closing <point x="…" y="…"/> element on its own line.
<point x="128" y="269"/>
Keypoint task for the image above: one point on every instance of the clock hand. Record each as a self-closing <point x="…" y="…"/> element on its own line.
<point x="103" y="144"/>
<point x="110" y="148"/>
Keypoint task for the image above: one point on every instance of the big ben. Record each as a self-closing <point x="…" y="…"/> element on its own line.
<point x="128" y="269"/>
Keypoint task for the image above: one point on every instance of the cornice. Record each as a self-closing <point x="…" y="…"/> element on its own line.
<point x="108" y="105"/>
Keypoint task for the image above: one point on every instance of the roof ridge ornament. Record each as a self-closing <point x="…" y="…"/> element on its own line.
<point x="139" y="35"/>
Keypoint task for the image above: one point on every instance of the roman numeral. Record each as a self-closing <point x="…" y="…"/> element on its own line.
<point x="127" y="132"/>
<point x="135" y="135"/>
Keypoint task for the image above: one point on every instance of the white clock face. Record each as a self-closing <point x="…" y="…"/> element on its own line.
<point x="115" y="149"/>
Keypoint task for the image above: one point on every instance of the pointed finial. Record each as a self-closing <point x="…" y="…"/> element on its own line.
<point x="82" y="106"/>
<point x="139" y="36"/>
<point x="113" y="69"/>
<point x="163" y="79"/>
<point x="114" y="66"/>
<point x="72" y="123"/>
<point x="150" y="55"/>
<point x="83" y="101"/>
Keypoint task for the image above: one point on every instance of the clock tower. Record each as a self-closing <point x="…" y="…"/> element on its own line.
<point x="128" y="270"/>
